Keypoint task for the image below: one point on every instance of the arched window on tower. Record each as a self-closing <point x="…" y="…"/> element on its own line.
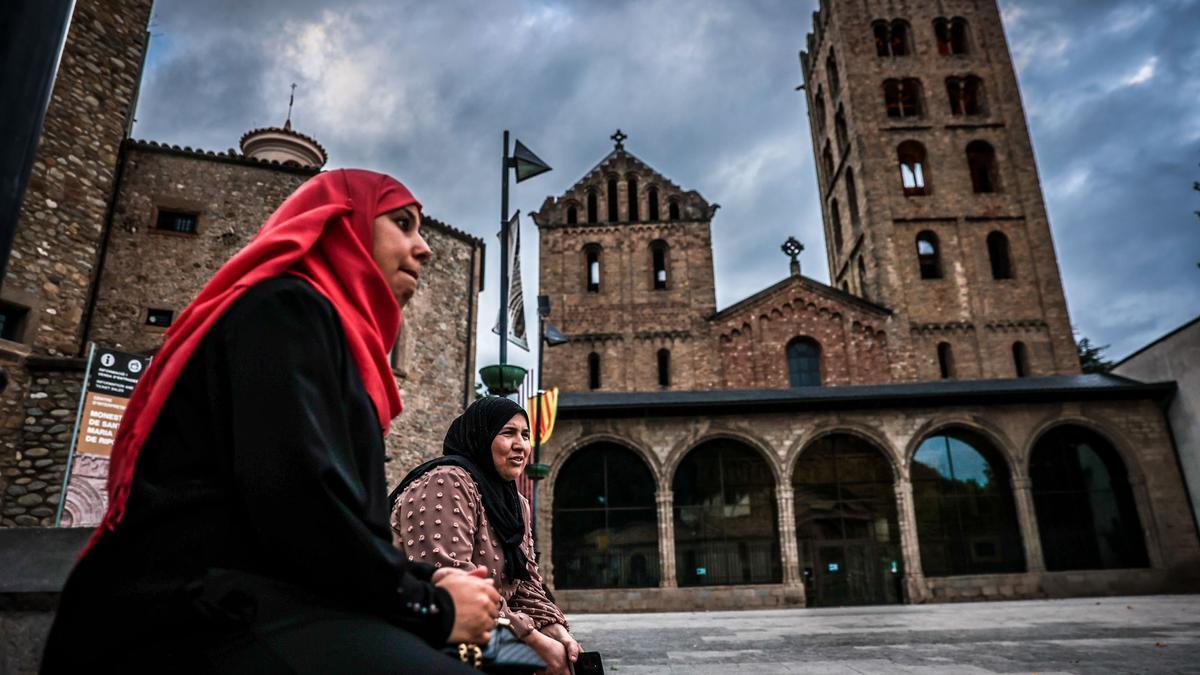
<point x="591" y="254"/>
<point x="593" y="371"/>
<point x="965" y="95"/>
<point x="852" y="197"/>
<point x="835" y="225"/>
<point x="981" y="159"/>
<point x="891" y="39"/>
<point x="951" y="35"/>
<point x="819" y="112"/>
<point x="632" y="199"/>
<point x="664" y="368"/>
<point x="1020" y="359"/>
<point x="831" y="72"/>
<point x="612" y="200"/>
<point x="804" y="362"/>
<point x="997" y="245"/>
<point x="658" y="264"/>
<point x="928" y="256"/>
<point x="652" y="203"/>
<point x="827" y="160"/>
<point x="911" y="156"/>
<point x="591" y="207"/>
<point x="945" y="360"/>
<point x="902" y="97"/>
<point x="843" y="137"/>
<point x="862" y="277"/>
<point x="572" y="215"/>
<point x="673" y="210"/>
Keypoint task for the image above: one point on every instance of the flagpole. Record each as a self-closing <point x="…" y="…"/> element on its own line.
<point x="537" y="438"/>
<point x="504" y="254"/>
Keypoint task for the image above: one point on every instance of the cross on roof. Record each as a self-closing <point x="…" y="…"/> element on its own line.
<point x="291" y="101"/>
<point x="792" y="247"/>
<point x="619" y="139"/>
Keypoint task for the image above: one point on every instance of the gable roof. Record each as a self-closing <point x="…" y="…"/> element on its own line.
<point x="834" y="294"/>
<point x="618" y="154"/>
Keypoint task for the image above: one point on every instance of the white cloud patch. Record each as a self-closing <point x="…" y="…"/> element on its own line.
<point x="1127" y="18"/>
<point x="1143" y="74"/>
<point x="1047" y="51"/>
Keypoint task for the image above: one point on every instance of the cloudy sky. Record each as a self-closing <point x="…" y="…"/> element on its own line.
<point x="706" y="91"/>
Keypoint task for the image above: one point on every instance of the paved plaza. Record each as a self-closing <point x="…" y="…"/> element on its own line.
<point x="1148" y="634"/>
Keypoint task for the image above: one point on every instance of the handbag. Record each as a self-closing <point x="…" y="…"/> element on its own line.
<point x="505" y="654"/>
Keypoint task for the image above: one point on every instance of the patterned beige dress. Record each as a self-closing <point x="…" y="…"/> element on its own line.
<point x="439" y="519"/>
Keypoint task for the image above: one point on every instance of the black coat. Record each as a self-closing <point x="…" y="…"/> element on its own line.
<point x="267" y="460"/>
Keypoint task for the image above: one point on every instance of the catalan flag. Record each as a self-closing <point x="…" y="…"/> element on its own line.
<point x="542" y="417"/>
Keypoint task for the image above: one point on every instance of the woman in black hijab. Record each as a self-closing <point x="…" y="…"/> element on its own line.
<point x="462" y="511"/>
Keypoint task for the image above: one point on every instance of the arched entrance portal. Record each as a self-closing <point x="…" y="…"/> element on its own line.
<point x="605" y="523"/>
<point x="846" y="523"/>
<point x="726" y="520"/>
<point x="1085" y="509"/>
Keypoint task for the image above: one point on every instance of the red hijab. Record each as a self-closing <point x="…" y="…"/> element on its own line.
<point x="323" y="234"/>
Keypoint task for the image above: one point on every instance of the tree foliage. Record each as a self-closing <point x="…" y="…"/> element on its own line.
<point x="1091" y="357"/>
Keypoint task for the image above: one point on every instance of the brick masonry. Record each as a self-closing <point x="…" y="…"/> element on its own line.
<point x="627" y="321"/>
<point x="979" y="316"/>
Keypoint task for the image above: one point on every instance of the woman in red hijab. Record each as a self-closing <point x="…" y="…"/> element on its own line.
<point x="248" y="521"/>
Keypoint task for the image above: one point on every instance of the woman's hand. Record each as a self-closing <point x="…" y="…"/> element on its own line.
<point x="559" y="632"/>
<point x="476" y="605"/>
<point x="550" y="650"/>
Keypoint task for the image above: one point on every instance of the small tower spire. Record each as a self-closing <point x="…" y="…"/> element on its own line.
<point x="793" y="248"/>
<point x="287" y="125"/>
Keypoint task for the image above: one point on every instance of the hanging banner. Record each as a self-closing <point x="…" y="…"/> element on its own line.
<point x="544" y="412"/>
<point x="107" y="386"/>
<point x="516" y="295"/>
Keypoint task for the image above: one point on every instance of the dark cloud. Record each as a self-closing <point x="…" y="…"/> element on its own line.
<point x="1111" y="89"/>
<point x="705" y="90"/>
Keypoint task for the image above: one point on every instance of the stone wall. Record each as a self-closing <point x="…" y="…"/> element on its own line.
<point x="57" y="241"/>
<point x="35" y="479"/>
<point x="145" y="267"/>
<point x="1136" y="429"/>
<point x="706" y="599"/>
<point x="1176" y="356"/>
<point x="61" y="224"/>
<point x="435" y="360"/>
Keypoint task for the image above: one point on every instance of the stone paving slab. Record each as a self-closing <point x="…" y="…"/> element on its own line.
<point x="1149" y="634"/>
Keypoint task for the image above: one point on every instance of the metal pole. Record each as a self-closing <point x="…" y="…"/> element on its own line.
<point x="537" y="429"/>
<point x="504" y="254"/>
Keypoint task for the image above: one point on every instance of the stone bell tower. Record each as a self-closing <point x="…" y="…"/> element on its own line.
<point x="929" y="189"/>
<point x="626" y="258"/>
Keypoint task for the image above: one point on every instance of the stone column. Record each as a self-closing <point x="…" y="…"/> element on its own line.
<point x="1141" y="499"/>
<point x="1027" y="519"/>
<point x="666" y="538"/>
<point x="910" y="549"/>
<point x="789" y="551"/>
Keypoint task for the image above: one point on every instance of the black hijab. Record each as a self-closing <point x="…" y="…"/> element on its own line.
<point x="468" y="445"/>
